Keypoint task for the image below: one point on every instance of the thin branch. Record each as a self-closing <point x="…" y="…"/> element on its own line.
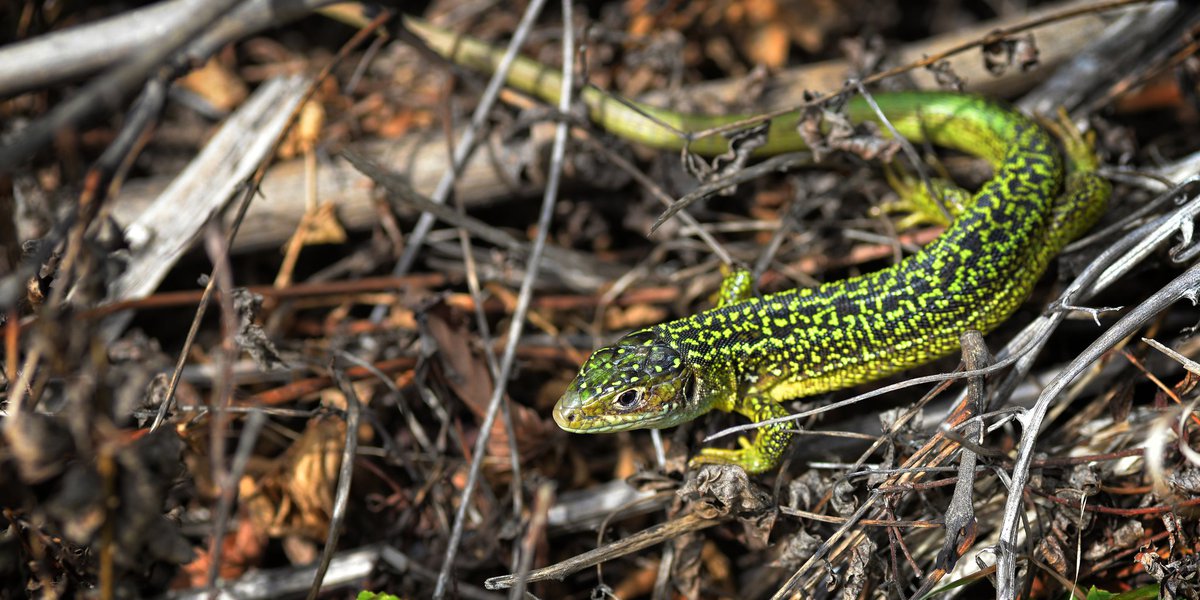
<point x="523" y="299"/>
<point x="60" y="56"/>
<point x="485" y="334"/>
<point x="959" y="520"/>
<point x="229" y="491"/>
<point x="106" y="92"/>
<point x="907" y="147"/>
<point x="345" y="476"/>
<point x="542" y="501"/>
<point x="577" y="267"/>
<point x="466" y="144"/>
<point x="222" y="390"/>
<point x="1184" y="286"/>
<point x="781" y="162"/>
<point x="655" y="534"/>
<point x="249" y="191"/>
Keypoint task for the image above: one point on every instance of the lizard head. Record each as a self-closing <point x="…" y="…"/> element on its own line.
<point x="637" y="383"/>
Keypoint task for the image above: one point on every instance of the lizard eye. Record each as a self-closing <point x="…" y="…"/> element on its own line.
<point x="628" y="398"/>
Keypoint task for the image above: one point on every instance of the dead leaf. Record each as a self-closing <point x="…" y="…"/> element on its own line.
<point x="638" y="315"/>
<point x="467" y="374"/>
<point x="219" y="86"/>
<point x="768" y="45"/>
<point x="295" y="495"/>
<point x="250" y="336"/>
<point x="241" y="550"/>
<point x="303" y="138"/>
<point x="321" y="226"/>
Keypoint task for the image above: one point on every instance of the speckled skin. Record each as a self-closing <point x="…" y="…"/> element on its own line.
<point x="750" y="354"/>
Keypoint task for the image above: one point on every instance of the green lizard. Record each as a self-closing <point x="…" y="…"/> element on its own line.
<point x="750" y="354"/>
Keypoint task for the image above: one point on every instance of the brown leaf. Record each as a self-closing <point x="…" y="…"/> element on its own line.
<point x="303" y="138"/>
<point x="321" y="226"/>
<point x="217" y="85"/>
<point x="719" y="490"/>
<point x="241" y="550"/>
<point x="861" y="559"/>
<point x="295" y="495"/>
<point x="768" y="45"/>
<point x="467" y="374"/>
<point x="1051" y="551"/>
<point x="617" y="318"/>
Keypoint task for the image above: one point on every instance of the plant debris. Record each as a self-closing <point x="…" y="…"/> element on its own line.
<point x="261" y="291"/>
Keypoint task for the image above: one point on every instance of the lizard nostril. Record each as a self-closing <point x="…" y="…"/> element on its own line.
<point x="568" y="418"/>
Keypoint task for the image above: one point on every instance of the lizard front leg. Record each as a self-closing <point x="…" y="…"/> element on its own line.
<point x="770" y="441"/>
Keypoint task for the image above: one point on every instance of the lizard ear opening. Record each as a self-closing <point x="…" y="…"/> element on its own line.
<point x="690" y="391"/>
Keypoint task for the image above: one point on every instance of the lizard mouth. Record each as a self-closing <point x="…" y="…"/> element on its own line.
<point x="574" y="420"/>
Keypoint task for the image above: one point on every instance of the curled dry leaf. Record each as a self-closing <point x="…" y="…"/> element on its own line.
<point x="725" y="490"/>
<point x="1050" y="550"/>
<point x="742" y="144"/>
<point x="250" y="335"/>
<point x="1125" y="537"/>
<point x="1177" y="578"/>
<point x="858" y="574"/>
<point x="825" y="128"/>
<point x="67" y="501"/>
<point x="1185" y="480"/>
<point x="946" y="77"/>
<point x="321" y="226"/>
<point x="797" y="549"/>
<point x="1000" y="55"/>
<point x="294" y="495"/>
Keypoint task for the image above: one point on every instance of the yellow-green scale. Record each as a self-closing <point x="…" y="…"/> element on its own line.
<point x="750" y="354"/>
